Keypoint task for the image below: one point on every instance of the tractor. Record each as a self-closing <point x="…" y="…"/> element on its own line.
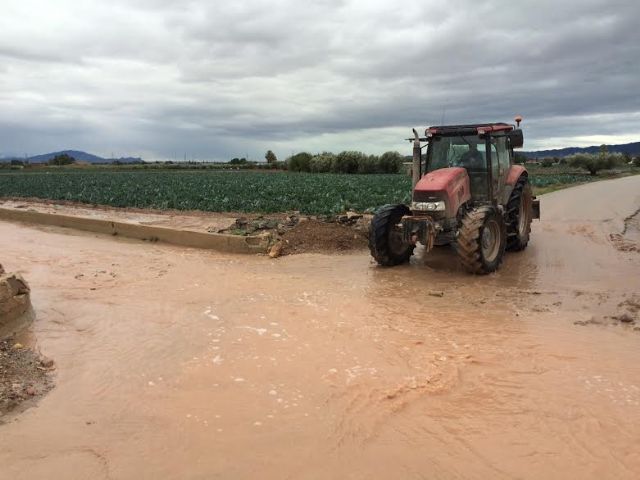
<point x="467" y="192"/>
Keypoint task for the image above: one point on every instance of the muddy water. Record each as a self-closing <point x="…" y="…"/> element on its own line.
<point x="177" y="363"/>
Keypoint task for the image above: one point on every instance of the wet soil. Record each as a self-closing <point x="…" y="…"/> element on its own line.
<point x="184" y="363"/>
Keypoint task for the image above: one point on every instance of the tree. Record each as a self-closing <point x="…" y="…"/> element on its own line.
<point x="322" y="162"/>
<point x="62" y="159"/>
<point x="300" y="162"/>
<point x="547" y="162"/>
<point x="238" y="161"/>
<point x="391" y="162"/>
<point x="270" y="157"/>
<point x="594" y="163"/>
<point x="347" y="162"/>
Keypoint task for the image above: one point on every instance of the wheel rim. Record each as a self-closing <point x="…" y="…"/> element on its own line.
<point x="490" y="240"/>
<point x="396" y="242"/>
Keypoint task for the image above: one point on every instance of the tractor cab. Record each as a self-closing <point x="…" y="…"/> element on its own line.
<point x="484" y="151"/>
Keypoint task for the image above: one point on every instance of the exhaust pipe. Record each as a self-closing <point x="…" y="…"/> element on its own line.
<point x="417" y="156"/>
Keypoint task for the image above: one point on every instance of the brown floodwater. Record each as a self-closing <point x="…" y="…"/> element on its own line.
<point x="184" y="363"/>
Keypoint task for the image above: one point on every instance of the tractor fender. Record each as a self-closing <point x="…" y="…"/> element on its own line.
<point x="515" y="171"/>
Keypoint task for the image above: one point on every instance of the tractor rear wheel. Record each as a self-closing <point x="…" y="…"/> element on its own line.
<point x="385" y="236"/>
<point x="519" y="215"/>
<point x="481" y="240"/>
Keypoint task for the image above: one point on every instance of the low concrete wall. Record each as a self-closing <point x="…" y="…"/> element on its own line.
<point x="187" y="238"/>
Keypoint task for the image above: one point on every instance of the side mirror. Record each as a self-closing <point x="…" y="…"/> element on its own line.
<point x="516" y="138"/>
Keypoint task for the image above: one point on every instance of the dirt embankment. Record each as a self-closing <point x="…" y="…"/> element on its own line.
<point x="22" y="370"/>
<point x="293" y="233"/>
<point x="15" y="304"/>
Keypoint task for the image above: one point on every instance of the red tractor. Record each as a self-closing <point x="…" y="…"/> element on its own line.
<point x="467" y="192"/>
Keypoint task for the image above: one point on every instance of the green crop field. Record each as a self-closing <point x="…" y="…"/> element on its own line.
<point x="231" y="191"/>
<point x="213" y="191"/>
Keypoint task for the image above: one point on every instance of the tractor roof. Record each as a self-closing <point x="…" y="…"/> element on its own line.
<point x="472" y="129"/>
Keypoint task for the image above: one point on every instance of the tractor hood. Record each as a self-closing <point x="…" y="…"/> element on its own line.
<point x="448" y="184"/>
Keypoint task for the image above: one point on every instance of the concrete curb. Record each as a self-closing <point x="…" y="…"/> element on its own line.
<point x="186" y="238"/>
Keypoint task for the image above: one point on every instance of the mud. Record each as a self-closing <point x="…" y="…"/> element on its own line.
<point x="324" y="237"/>
<point x="629" y="239"/>
<point x="183" y="363"/>
<point x="24" y="377"/>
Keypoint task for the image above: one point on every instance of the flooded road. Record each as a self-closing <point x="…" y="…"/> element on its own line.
<point x="183" y="363"/>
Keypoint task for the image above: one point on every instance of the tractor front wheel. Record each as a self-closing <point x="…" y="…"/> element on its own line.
<point x="385" y="236"/>
<point x="481" y="241"/>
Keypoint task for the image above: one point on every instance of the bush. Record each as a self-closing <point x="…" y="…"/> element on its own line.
<point x="636" y="161"/>
<point x="391" y="162"/>
<point x="594" y="163"/>
<point x="299" y="162"/>
<point x="236" y="161"/>
<point x="62" y="159"/>
<point x="347" y="162"/>
<point x="322" y="162"/>
<point x="546" y="162"/>
<point x="370" y="164"/>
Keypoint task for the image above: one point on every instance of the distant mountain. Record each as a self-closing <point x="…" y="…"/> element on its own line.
<point x="82" y="157"/>
<point x="630" y="148"/>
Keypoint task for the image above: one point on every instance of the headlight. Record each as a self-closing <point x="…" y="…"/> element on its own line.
<point x="428" y="206"/>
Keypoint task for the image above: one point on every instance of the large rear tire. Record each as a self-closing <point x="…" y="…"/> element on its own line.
<point x="385" y="236"/>
<point x="519" y="215"/>
<point x="481" y="240"/>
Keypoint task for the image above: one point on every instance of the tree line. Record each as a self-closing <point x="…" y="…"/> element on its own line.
<point x="345" y="162"/>
<point x="593" y="162"/>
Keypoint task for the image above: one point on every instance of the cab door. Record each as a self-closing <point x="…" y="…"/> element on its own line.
<point x="500" y="163"/>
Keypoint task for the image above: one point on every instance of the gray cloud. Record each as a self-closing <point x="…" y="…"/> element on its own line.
<point x="215" y="80"/>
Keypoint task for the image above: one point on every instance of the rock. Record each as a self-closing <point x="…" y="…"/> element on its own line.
<point x="1" y="269"/>
<point x="625" y="318"/>
<point x="291" y="221"/>
<point x="46" y="362"/>
<point x="436" y="293"/>
<point x="30" y="391"/>
<point x="276" y="250"/>
<point x="15" y="304"/>
<point x="18" y="346"/>
<point x="353" y="215"/>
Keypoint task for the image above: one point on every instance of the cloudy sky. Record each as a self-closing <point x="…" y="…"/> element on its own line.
<point x="218" y="79"/>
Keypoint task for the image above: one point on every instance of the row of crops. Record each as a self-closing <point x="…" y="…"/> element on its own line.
<point x="226" y="191"/>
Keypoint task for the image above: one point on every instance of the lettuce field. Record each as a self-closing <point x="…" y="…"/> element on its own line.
<point x="225" y="191"/>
